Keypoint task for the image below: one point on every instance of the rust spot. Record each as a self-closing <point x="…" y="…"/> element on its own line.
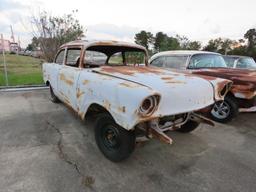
<point x="162" y="137"/>
<point x="67" y="81"/>
<point x="166" y="78"/>
<point x="67" y="101"/>
<point x="106" y="78"/>
<point x="121" y="109"/>
<point x="131" y="70"/>
<point x="85" y="82"/>
<point x="176" y="81"/>
<point x="81" y="114"/>
<point x="106" y="104"/>
<point x="129" y="85"/>
<point x="79" y="93"/>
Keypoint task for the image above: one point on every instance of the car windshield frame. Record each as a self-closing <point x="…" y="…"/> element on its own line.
<point x="221" y="62"/>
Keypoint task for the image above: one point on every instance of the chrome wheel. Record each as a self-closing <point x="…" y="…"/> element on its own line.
<point x="221" y="110"/>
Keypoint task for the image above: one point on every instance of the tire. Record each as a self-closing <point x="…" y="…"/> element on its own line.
<point x="114" y="142"/>
<point x="53" y="97"/>
<point x="230" y="111"/>
<point x="188" y="127"/>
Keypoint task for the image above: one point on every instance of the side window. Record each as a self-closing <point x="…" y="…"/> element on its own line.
<point x="241" y="64"/>
<point x="176" y="62"/>
<point x="158" y="62"/>
<point x="60" y="57"/>
<point x="95" y="58"/>
<point x="73" y="57"/>
<point x="116" y="59"/>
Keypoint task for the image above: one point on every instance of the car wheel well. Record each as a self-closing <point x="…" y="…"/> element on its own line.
<point x="47" y="83"/>
<point x="230" y="94"/>
<point x="96" y="109"/>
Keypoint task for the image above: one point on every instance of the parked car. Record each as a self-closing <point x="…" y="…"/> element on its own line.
<point x="240" y="62"/>
<point x="37" y="54"/>
<point x="108" y="79"/>
<point x="242" y="96"/>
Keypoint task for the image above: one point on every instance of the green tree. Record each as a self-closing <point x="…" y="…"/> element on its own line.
<point x="183" y="41"/>
<point x="160" y="41"/>
<point x="194" y="45"/>
<point x="250" y="35"/>
<point x="144" y="38"/>
<point x="226" y="46"/>
<point x="29" y="47"/>
<point x="241" y="50"/>
<point x="53" y="31"/>
<point x="33" y="45"/>
<point x="163" y="42"/>
<point x="213" y="45"/>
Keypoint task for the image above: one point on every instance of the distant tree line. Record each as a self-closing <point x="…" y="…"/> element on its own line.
<point x="162" y="42"/>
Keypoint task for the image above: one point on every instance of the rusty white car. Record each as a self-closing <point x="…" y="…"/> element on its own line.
<point x="107" y="78"/>
<point x="240" y="98"/>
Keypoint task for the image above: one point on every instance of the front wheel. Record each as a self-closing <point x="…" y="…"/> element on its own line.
<point x="224" y="111"/>
<point x="114" y="142"/>
<point x="188" y="127"/>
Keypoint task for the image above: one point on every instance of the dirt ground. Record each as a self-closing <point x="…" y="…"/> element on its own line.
<point x="46" y="147"/>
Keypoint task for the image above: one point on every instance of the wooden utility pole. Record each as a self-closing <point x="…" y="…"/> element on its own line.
<point x="12" y="36"/>
<point x="5" y="68"/>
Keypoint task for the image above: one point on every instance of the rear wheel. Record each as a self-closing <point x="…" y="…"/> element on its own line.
<point x="53" y="97"/>
<point x="114" y="142"/>
<point x="188" y="127"/>
<point x="224" y="111"/>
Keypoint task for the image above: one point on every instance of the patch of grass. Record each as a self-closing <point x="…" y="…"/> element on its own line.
<point x="22" y="70"/>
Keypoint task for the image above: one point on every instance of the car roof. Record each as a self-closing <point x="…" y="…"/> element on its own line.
<point x="236" y="56"/>
<point x="181" y="53"/>
<point x="90" y="43"/>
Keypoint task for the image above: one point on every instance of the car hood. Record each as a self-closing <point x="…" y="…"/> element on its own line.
<point x="244" y="81"/>
<point x="179" y="92"/>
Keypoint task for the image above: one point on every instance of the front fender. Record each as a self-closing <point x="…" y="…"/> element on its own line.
<point x="120" y="98"/>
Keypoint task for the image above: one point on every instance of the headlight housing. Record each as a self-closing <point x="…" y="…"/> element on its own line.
<point x="149" y="105"/>
<point x="225" y="90"/>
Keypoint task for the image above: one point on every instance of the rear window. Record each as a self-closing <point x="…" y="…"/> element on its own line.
<point x="96" y="58"/>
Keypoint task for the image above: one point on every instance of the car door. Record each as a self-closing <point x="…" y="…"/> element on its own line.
<point x="68" y="76"/>
<point x="57" y="65"/>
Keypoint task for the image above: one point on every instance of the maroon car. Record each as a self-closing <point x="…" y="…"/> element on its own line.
<point x="242" y="96"/>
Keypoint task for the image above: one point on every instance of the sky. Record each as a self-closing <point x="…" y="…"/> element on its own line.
<point x="199" y="20"/>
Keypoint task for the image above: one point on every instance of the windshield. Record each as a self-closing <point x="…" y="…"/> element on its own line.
<point x="206" y="61"/>
<point x="246" y="63"/>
